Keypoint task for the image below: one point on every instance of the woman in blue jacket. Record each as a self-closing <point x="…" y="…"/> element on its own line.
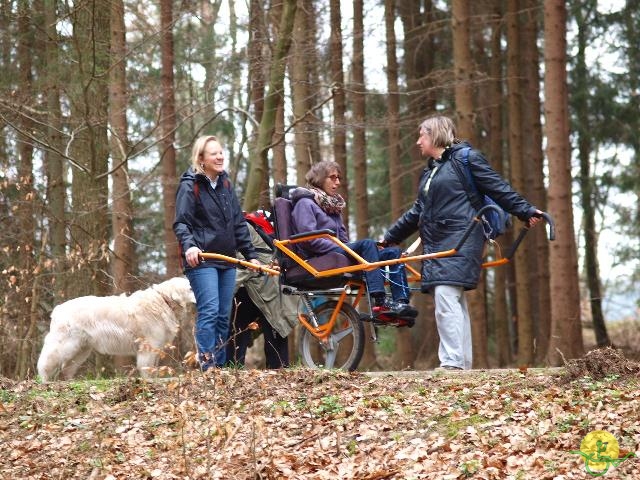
<point x="441" y="213"/>
<point x="209" y="219"/>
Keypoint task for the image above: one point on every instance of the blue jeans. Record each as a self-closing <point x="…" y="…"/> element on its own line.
<point x="368" y="250"/>
<point x="397" y="274"/>
<point x="213" y="288"/>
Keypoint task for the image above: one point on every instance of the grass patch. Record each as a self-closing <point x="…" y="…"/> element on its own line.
<point x="453" y="428"/>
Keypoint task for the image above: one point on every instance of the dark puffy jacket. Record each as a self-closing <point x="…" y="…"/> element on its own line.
<point x="211" y="220"/>
<point x="443" y="214"/>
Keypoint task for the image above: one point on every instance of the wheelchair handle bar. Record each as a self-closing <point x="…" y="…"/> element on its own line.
<point x="478" y="219"/>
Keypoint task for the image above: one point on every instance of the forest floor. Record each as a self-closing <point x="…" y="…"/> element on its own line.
<point x="311" y="424"/>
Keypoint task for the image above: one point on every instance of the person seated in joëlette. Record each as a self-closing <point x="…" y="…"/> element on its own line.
<point x="319" y="206"/>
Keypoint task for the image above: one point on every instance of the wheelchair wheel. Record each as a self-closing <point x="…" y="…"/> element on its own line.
<point x="345" y="344"/>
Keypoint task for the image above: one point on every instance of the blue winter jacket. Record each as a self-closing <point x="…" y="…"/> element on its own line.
<point x="308" y="216"/>
<point x="210" y="219"/>
<point x="444" y="212"/>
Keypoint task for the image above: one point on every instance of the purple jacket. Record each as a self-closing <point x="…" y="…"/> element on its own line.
<point x="308" y="216"/>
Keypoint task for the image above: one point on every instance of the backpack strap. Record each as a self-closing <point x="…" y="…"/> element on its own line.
<point x="466" y="178"/>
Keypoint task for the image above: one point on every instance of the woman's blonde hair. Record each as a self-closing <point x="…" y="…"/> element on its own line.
<point x="198" y="149"/>
<point x="440" y="129"/>
<point x="320" y="171"/>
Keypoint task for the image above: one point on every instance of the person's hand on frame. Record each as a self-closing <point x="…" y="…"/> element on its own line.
<point x="192" y="255"/>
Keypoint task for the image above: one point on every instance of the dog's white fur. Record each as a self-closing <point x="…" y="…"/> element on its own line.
<point x="140" y="324"/>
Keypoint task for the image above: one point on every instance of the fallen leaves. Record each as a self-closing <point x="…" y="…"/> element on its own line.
<point x="309" y="424"/>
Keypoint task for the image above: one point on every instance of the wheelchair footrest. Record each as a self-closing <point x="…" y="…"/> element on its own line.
<point x="386" y="320"/>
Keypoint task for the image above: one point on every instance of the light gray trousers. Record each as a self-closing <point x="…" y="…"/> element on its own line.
<point x="454" y="327"/>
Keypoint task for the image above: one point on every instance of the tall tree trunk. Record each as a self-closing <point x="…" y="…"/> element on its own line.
<point x="339" y="102"/>
<point x="257" y="42"/>
<point x="393" y="111"/>
<point x="316" y="86"/>
<point x="514" y="93"/>
<point x="89" y="98"/>
<point x="358" y="99"/>
<point x="463" y="68"/>
<point x="298" y="66"/>
<point x="566" y="334"/>
<point x="90" y="148"/>
<point x="359" y="151"/>
<point x="533" y="158"/>
<point x="56" y="196"/>
<point x="167" y="143"/>
<point x="279" y="160"/>
<point x="582" y="14"/>
<point x="279" y="169"/>
<point x="419" y="59"/>
<point x="501" y="314"/>
<point x="24" y="258"/>
<point x="631" y="35"/>
<point x="631" y="175"/>
<point x="209" y="16"/>
<point x="258" y="51"/>
<point x="123" y="265"/>
<point x="405" y="353"/>
<point x="259" y="164"/>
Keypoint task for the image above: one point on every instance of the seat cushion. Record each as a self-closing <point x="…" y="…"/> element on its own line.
<point x="297" y="276"/>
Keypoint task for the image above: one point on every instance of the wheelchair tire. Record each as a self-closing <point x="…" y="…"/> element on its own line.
<point x="346" y="340"/>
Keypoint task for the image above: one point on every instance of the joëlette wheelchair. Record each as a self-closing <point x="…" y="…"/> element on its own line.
<point x="331" y="287"/>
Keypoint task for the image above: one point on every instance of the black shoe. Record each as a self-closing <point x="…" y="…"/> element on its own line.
<point x="404" y="309"/>
<point x="385" y="309"/>
<point x="395" y="309"/>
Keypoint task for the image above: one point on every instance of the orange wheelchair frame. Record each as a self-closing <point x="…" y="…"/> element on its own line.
<point x="328" y="325"/>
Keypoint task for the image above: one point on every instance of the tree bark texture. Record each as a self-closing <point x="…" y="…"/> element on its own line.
<point x="358" y="100"/>
<point x="514" y="90"/>
<point x="90" y="149"/>
<point x="54" y="171"/>
<point x="339" y="102"/>
<point x="500" y="313"/>
<point x="463" y="92"/>
<point x="168" y="125"/>
<point x="123" y="267"/>
<point x="393" y="112"/>
<point x="533" y="165"/>
<point x="259" y="164"/>
<point x="566" y="333"/>
<point x="587" y="197"/>
<point x="301" y="91"/>
<point x="24" y="253"/>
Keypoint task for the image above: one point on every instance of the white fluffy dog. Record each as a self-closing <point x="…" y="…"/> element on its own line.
<point x="140" y="324"/>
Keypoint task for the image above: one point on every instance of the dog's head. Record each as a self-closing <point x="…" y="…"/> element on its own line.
<point x="177" y="289"/>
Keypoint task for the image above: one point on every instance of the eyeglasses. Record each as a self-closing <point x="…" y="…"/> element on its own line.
<point x="334" y="177"/>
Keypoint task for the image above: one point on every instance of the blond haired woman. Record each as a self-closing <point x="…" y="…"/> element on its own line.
<point x="209" y="219"/>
